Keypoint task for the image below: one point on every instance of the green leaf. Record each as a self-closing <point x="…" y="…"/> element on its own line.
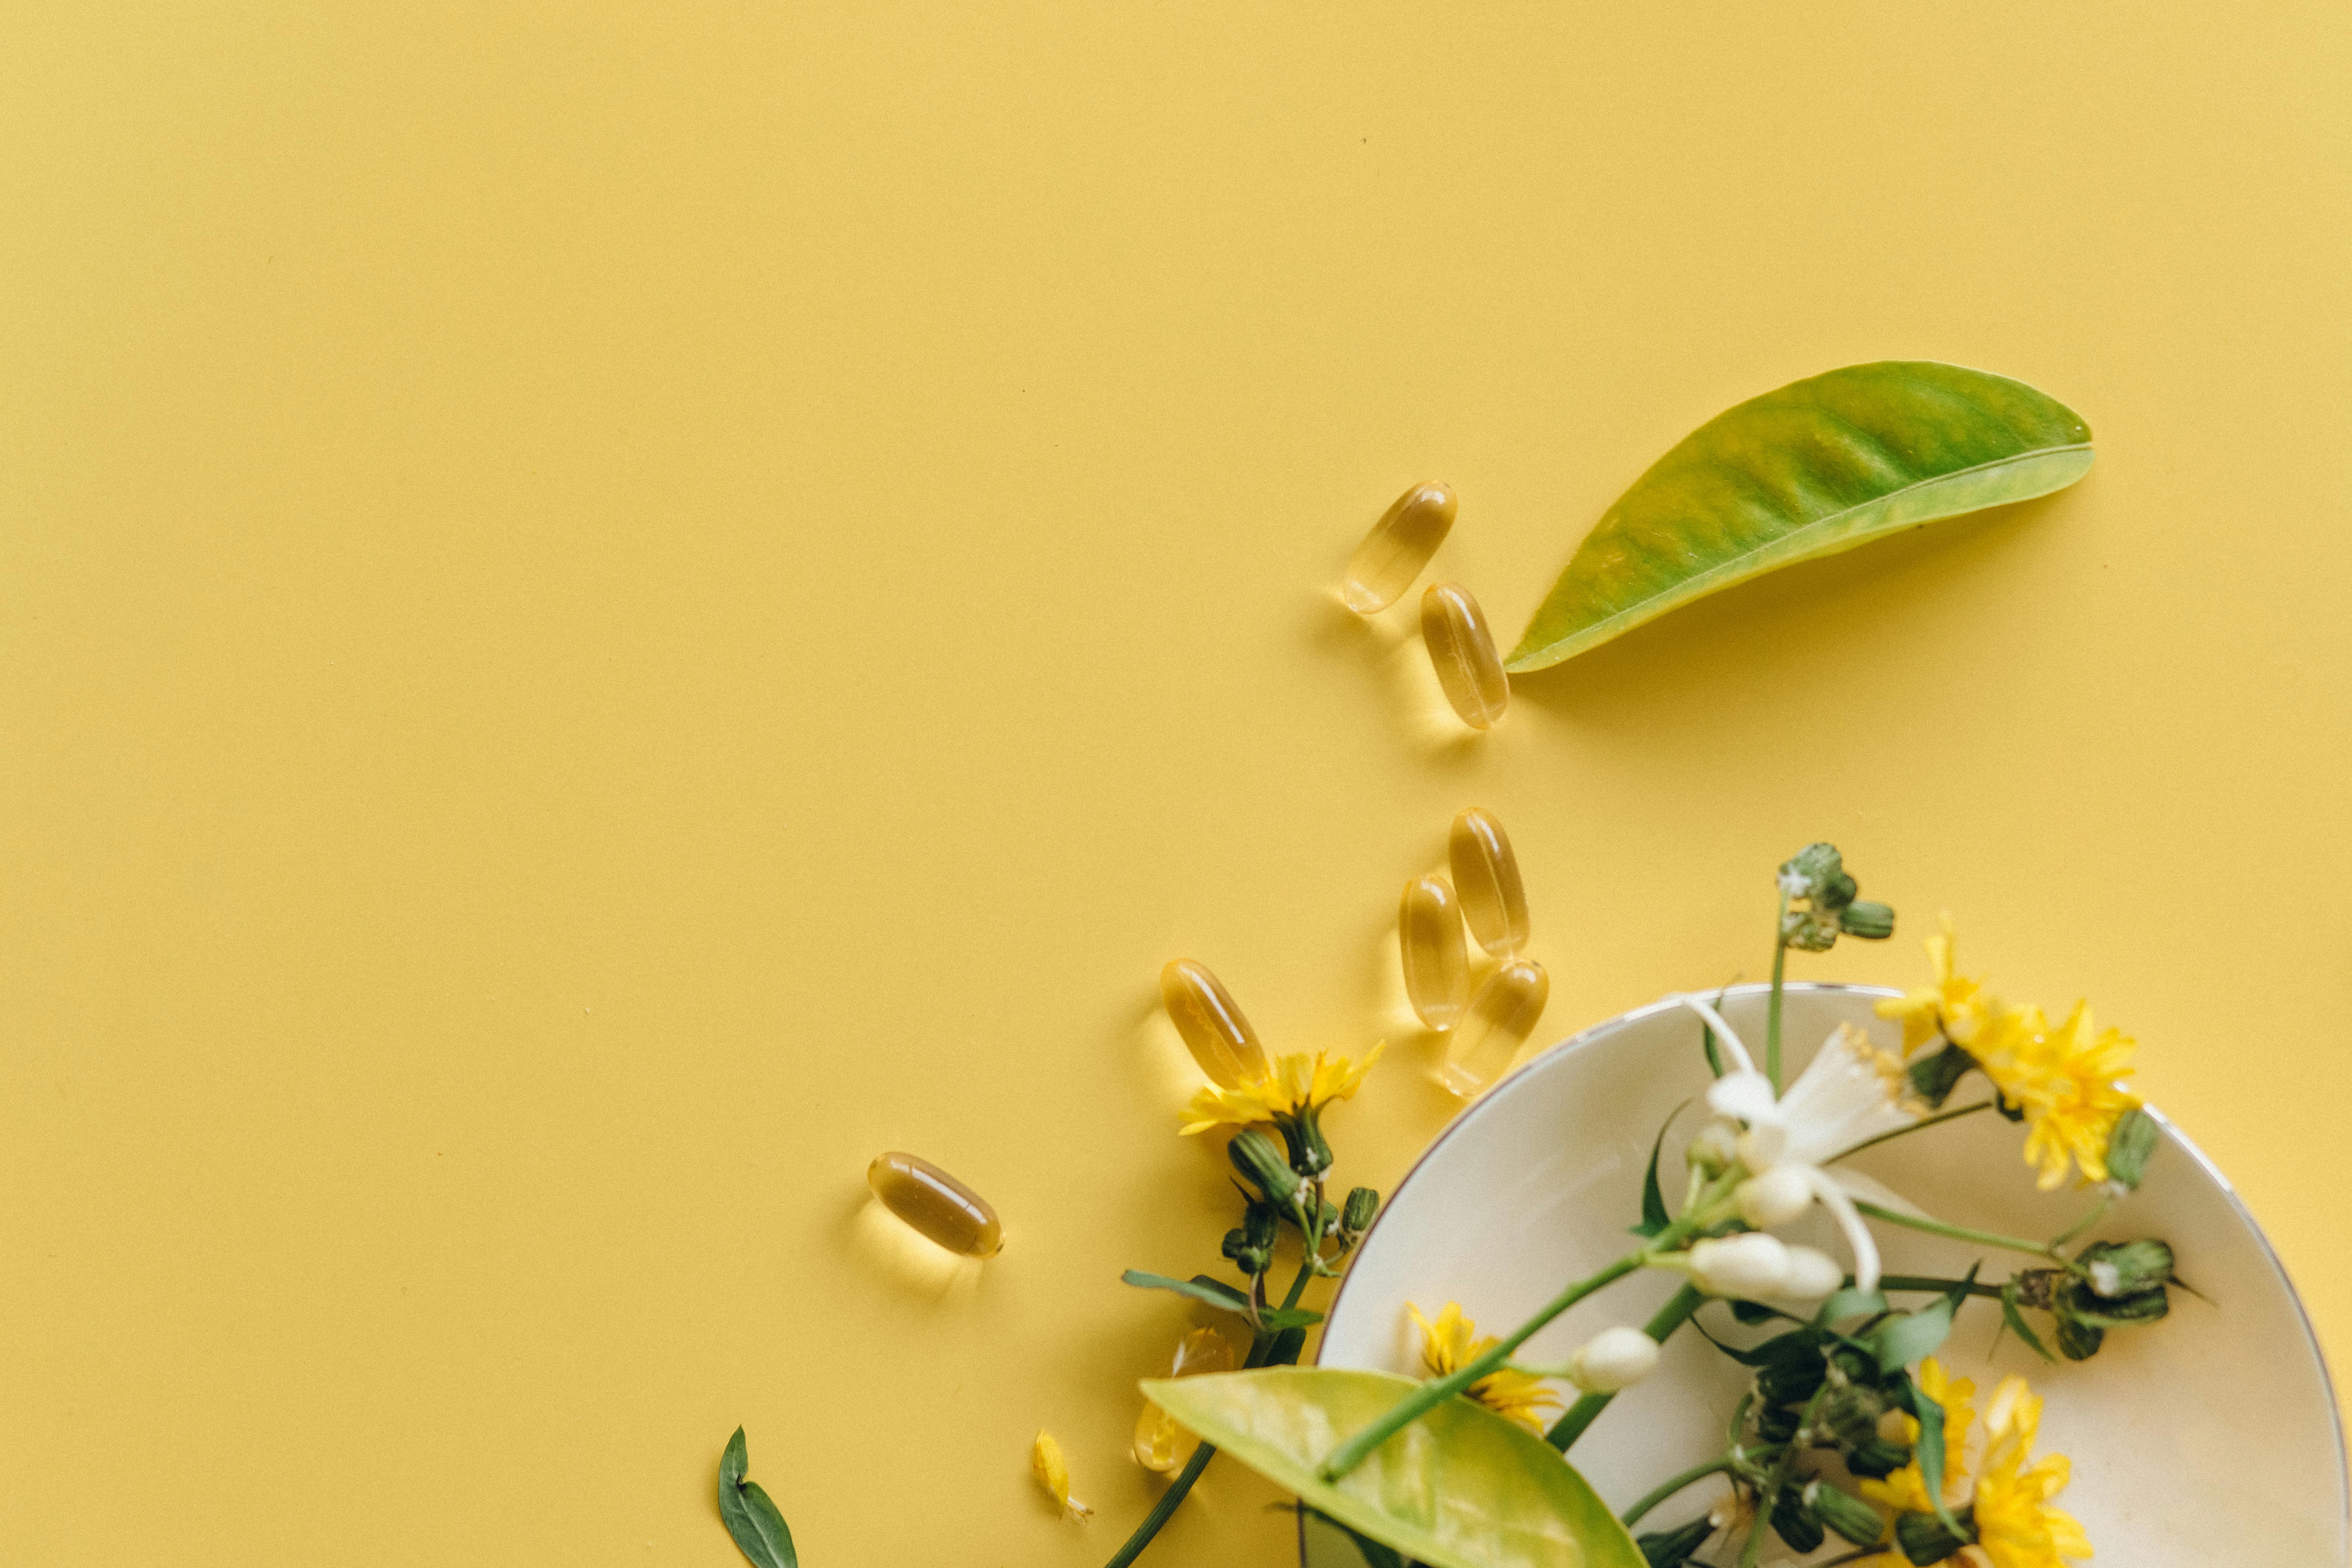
<point x="1462" y="1488"/>
<point x="1816" y="468"/>
<point x="2017" y="1324"/>
<point x="1900" y="1340"/>
<point x="1654" y="1217"/>
<point x="749" y="1514"/>
<point x="1217" y="1293"/>
<point x="1929" y="1448"/>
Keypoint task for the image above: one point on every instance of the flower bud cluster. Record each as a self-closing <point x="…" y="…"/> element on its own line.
<point x="1823" y="905"/>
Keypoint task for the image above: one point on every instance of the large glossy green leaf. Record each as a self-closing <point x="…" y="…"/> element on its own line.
<point x="1460" y="1488"/>
<point x="1818" y="467"/>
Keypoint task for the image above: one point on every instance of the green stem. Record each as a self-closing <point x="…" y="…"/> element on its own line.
<point x="1668" y="1488"/>
<point x="1770" y="1492"/>
<point x="1165" y="1507"/>
<point x="1940" y="1287"/>
<point x="1430" y="1396"/>
<point x="1957" y="1232"/>
<point x="1587" y="1409"/>
<point x="1921" y="1125"/>
<point x="1772" y="1010"/>
<point x="1260" y="1349"/>
<point x="2098" y="1211"/>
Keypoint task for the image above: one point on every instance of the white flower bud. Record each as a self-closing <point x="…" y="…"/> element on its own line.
<point x="1748" y="1266"/>
<point x="1614" y="1358"/>
<point x="1717" y="1145"/>
<point x="1814" y="1275"/>
<point x="1776" y="1197"/>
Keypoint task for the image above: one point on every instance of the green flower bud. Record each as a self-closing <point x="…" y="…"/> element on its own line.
<point x="1852" y="1414"/>
<point x="1261" y="1224"/>
<point x="2078" y="1340"/>
<point x="1870" y="922"/>
<point x="1878" y="1458"/>
<point x="1672" y="1548"/>
<point x="1845" y="1513"/>
<point x="1837" y="891"/>
<point x="1936" y="1074"/>
<point x="1363" y="1204"/>
<point x="1262" y="1165"/>
<point x="2119" y="1268"/>
<point x="1925" y="1539"/>
<point x="1804" y="874"/>
<point x="1310" y="1155"/>
<point x="1252" y="1260"/>
<point x="2129" y="1146"/>
<point x="1796" y="1523"/>
<point x="1809" y="931"/>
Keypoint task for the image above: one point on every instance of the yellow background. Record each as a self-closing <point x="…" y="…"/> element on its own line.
<point x="607" y="610"/>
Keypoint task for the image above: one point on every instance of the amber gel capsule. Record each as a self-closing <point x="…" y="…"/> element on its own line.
<point x="1502" y="1014"/>
<point x="1161" y="1445"/>
<point x="1398" y="547"/>
<point x="935" y="1204"/>
<point x="1454" y="630"/>
<point x="1214" y="1031"/>
<point x="1437" y="958"/>
<point x="1487" y="875"/>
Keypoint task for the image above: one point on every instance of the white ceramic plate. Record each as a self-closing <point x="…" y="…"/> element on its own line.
<point x="2209" y="1438"/>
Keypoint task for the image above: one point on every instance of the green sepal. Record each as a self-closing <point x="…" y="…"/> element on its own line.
<point x="1878" y="1458"/>
<point x="749" y="1514"/>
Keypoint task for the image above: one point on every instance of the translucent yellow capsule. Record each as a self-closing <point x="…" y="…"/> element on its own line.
<point x="1454" y="630"/>
<point x="1437" y="958"/>
<point x="935" y="1204"/>
<point x="1214" y="1031"/>
<point x="1487" y="875"/>
<point x="1398" y="547"/>
<point x="1161" y="1445"/>
<point x="1501" y="1016"/>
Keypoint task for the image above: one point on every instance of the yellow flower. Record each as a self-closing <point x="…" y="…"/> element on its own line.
<point x="1905" y="1492"/>
<point x="1298" y="1085"/>
<point x="2016" y="1525"/>
<point x="1452" y="1344"/>
<point x="1954" y="1007"/>
<point x="1053" y="1474"/>
<point x="2065" y="1080"/>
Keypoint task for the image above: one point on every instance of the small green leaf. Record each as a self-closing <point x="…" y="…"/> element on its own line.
<point x="1462" y="1488"/>
<point x="1654" y="1217"/>
<point x="749" y="1514"/>
<point x="1900" y="1340"/>
<point x="1929" y="1448"/>
<point x="2016" y="1322"/>
<point x="1936" y="1074"/>
<point x="1847" y="1304"/>
<point x="1816" y="468"/>
<point x="1217" y="1293"/>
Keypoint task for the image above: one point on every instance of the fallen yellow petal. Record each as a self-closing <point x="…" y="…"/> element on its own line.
<point x="1054" y="1475"/>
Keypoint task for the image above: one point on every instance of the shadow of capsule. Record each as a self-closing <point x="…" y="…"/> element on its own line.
<point x="908" y="1259"/>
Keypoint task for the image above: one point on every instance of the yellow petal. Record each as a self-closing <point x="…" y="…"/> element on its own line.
<point x="1053" y="1474"/>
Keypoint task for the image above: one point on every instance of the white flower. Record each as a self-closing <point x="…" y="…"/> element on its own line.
<point x="1852" y="1091"/>
<point x="1614" y="1358"/>
<point x="1748" y="1266"/>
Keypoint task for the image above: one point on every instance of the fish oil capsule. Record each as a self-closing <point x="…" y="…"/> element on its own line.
<point x="1161" y="1445"/>
<point x="935" y="1204"/>
<point x="1398" y="547"/>
<point x="1486" y="877"/>
<point x="1214" y="1031"/>
<point x="1501" y="1016"/>
<point x="1454" y="630"/>
<point x="1437" y="958"/>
